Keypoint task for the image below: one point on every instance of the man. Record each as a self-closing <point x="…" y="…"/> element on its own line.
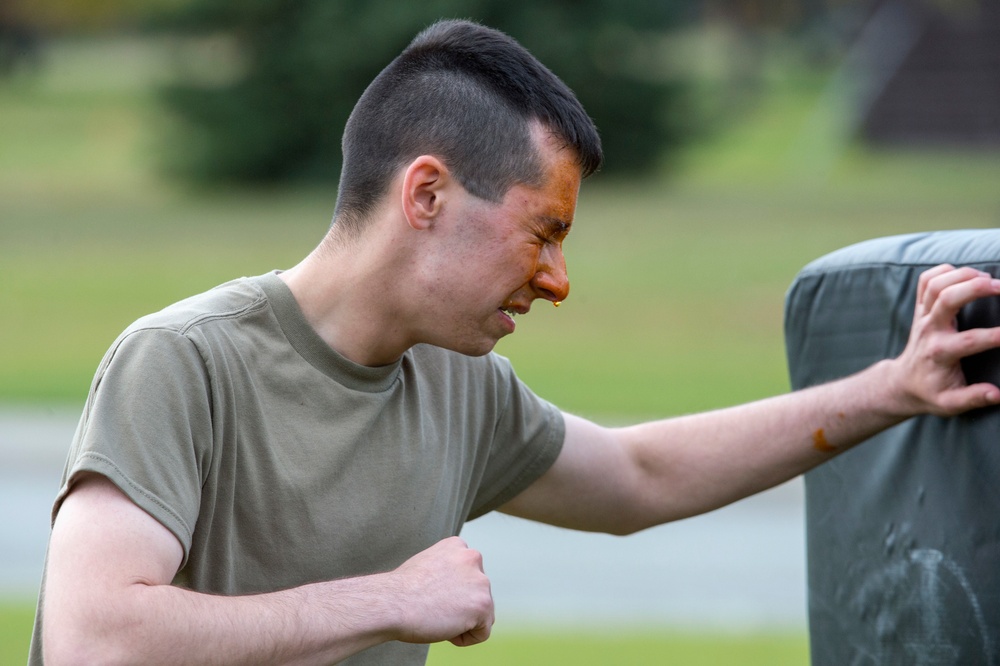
<point x="275" y="471"/>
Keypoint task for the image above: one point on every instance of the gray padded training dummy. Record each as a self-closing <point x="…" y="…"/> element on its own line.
<point x="903" y="532"/>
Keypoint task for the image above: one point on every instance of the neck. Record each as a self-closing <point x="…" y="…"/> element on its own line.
<point x="350" y="295"/>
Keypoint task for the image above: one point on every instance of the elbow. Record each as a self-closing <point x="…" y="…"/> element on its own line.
<point x="88" y="653"/>
<point x="73" y="653"/>
<point x="644" y="512"/>
<point x="629" y="527"/>
<point x="85" y="645"/>
<point x="625" y="520"/>
<point x="623" y="529"/>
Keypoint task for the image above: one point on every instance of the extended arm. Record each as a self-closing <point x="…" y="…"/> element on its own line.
<point x="625" y="479"/>
<point x="108" y="599"/>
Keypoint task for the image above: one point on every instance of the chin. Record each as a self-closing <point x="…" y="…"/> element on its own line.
<point x="476" y="351"/>
<point x="468" y="348"/>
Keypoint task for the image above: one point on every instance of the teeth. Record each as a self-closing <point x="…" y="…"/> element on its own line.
<point x="509" y="312"/>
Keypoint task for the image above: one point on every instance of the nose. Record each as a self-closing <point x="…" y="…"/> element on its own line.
<point x="551" y="280"/>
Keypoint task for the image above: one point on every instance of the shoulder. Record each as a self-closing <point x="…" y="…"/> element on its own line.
<point x="225" y="302"/>
<point x="187" y="329"/>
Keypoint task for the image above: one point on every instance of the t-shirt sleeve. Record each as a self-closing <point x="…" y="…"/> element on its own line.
<point x="528" y="438"/>
<point x="147" y="427"/>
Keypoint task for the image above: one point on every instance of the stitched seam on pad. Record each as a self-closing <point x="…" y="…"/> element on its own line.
<point x="847" y="267"/>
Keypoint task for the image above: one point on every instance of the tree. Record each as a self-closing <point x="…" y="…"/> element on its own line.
<point x="305" y="62"/>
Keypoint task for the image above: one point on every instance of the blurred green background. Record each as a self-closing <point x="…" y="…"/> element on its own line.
<point x="678" y="270"/>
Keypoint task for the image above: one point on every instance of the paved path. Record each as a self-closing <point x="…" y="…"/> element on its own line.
<point x="33" y="442"/>
<point x="742" y="567"/>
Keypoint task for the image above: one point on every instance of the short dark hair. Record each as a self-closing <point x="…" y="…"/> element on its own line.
<point x="466" y="94"/>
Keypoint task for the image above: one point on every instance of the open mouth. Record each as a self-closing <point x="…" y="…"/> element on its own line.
<point x="508" y="313"/>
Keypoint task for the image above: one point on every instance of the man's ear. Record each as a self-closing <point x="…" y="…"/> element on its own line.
<point x="424" y="183"/>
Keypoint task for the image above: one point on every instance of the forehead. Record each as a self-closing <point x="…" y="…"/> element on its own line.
<point x="561" y="174"/>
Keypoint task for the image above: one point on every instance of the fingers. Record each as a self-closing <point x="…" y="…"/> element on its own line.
<point x="473" y="637"/>
<point x="943" y="290"/>
<point x="447" y="595"/>
<point x="480" y="598"/>
<point x="925" y="279"/>
<point x="967" y="343"/>
<point x="935" y="382"/>
<point x="969" y="397"/>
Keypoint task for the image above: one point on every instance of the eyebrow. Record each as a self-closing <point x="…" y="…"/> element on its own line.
<point x="556" y="225"/>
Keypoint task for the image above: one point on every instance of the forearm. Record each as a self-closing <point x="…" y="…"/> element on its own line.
<point x="152" y="624"/>
<point x="697" y="463"/>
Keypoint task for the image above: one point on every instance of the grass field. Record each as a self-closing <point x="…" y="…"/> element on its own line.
<point x="551" y="648"/>
<point x="15" y="632"/>
<point x="626" y="649"/>
<point x="677" y="283"/>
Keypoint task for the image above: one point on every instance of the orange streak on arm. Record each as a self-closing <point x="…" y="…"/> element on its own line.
<point x="820" y="443"/>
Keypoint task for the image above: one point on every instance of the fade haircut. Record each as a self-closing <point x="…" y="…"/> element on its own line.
<point x="466" y="94"/>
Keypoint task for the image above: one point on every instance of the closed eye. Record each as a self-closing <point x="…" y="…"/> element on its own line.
<point x="555" y="230"/>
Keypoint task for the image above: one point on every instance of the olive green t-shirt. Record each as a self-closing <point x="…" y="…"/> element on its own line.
<point x="277" y="462"/>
